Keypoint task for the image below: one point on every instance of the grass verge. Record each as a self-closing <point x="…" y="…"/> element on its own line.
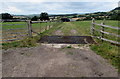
<point x="27" y="42"/>
<point x="109" y="52"/>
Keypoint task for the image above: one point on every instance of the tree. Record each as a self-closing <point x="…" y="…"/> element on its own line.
<point x="115" y="17"/>
<point x="44" y="16"/>
<point x="65" y="20"/>
<point x="35" y="18"/>
<point x="75" y="16"/>
<point x="6" y="16"/>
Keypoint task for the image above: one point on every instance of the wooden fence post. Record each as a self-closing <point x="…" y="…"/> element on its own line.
<point x="29" y="28"/>
<point x="49" y="26"/>
<point x="46" y="27"/>
<point x="92" y="27"/>
<point x="40" y="28"/>
<point x="102" y="29"/>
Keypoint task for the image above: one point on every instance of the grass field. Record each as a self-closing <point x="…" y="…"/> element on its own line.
<point x="20" y="29"/>
<point x="6" y="25"/>
<point x="104" y="49"/>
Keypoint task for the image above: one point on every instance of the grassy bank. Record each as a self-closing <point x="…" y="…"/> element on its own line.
<point x="27" y="42"/>
<point x="108" y="51"/>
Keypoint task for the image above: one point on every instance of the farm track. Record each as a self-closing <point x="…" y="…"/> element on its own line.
<point x="44" y="61"/>
<point x="50" y="61"/>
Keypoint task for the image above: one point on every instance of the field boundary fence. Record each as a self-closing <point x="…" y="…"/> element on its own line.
<point x="31" y="29"/>
<point x="103" y="32"/>
<point x="14" y="34"/>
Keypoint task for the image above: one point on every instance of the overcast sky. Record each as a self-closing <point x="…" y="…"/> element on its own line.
<point x="56" y="7"/>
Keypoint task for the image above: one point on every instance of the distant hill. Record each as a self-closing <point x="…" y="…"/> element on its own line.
<point x="32" y="15"/>
<point x="63" y="14"/>
<point x="117" y="8"/>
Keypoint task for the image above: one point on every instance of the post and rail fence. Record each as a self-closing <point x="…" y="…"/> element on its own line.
<point x="103" y="32"/>
<point x="19" y="33"/>
<point x="15" y="34"/>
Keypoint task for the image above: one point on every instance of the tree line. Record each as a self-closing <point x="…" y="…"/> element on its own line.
<point x="43" y="16"/>
<point x="6" y="16"/>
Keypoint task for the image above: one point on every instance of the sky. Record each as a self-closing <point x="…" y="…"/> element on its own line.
<point x="25" y="7"/>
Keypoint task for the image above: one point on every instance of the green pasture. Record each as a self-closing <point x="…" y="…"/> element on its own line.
<point x="6" y="25"/>
<point x="37" y="25"/>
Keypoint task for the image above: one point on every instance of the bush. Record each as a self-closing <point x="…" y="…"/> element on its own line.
<point x="29" y="42"/>
<point x="35" y="18"/>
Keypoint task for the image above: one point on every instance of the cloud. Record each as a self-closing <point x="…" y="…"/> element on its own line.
<point x="13" y="9"/>
<point x="6" y="8"/>
<point x="60" y="1"/>
<point x="56" y="7"/>
<point x="23" y="1"/>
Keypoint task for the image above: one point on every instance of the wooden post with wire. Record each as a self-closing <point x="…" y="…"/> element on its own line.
<point x="102" y="29"/>
<point x="45" y="27"/>
<point x="40" y="28"/>
<point x="92" y="27"/>
<point x="29" y="28"/>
